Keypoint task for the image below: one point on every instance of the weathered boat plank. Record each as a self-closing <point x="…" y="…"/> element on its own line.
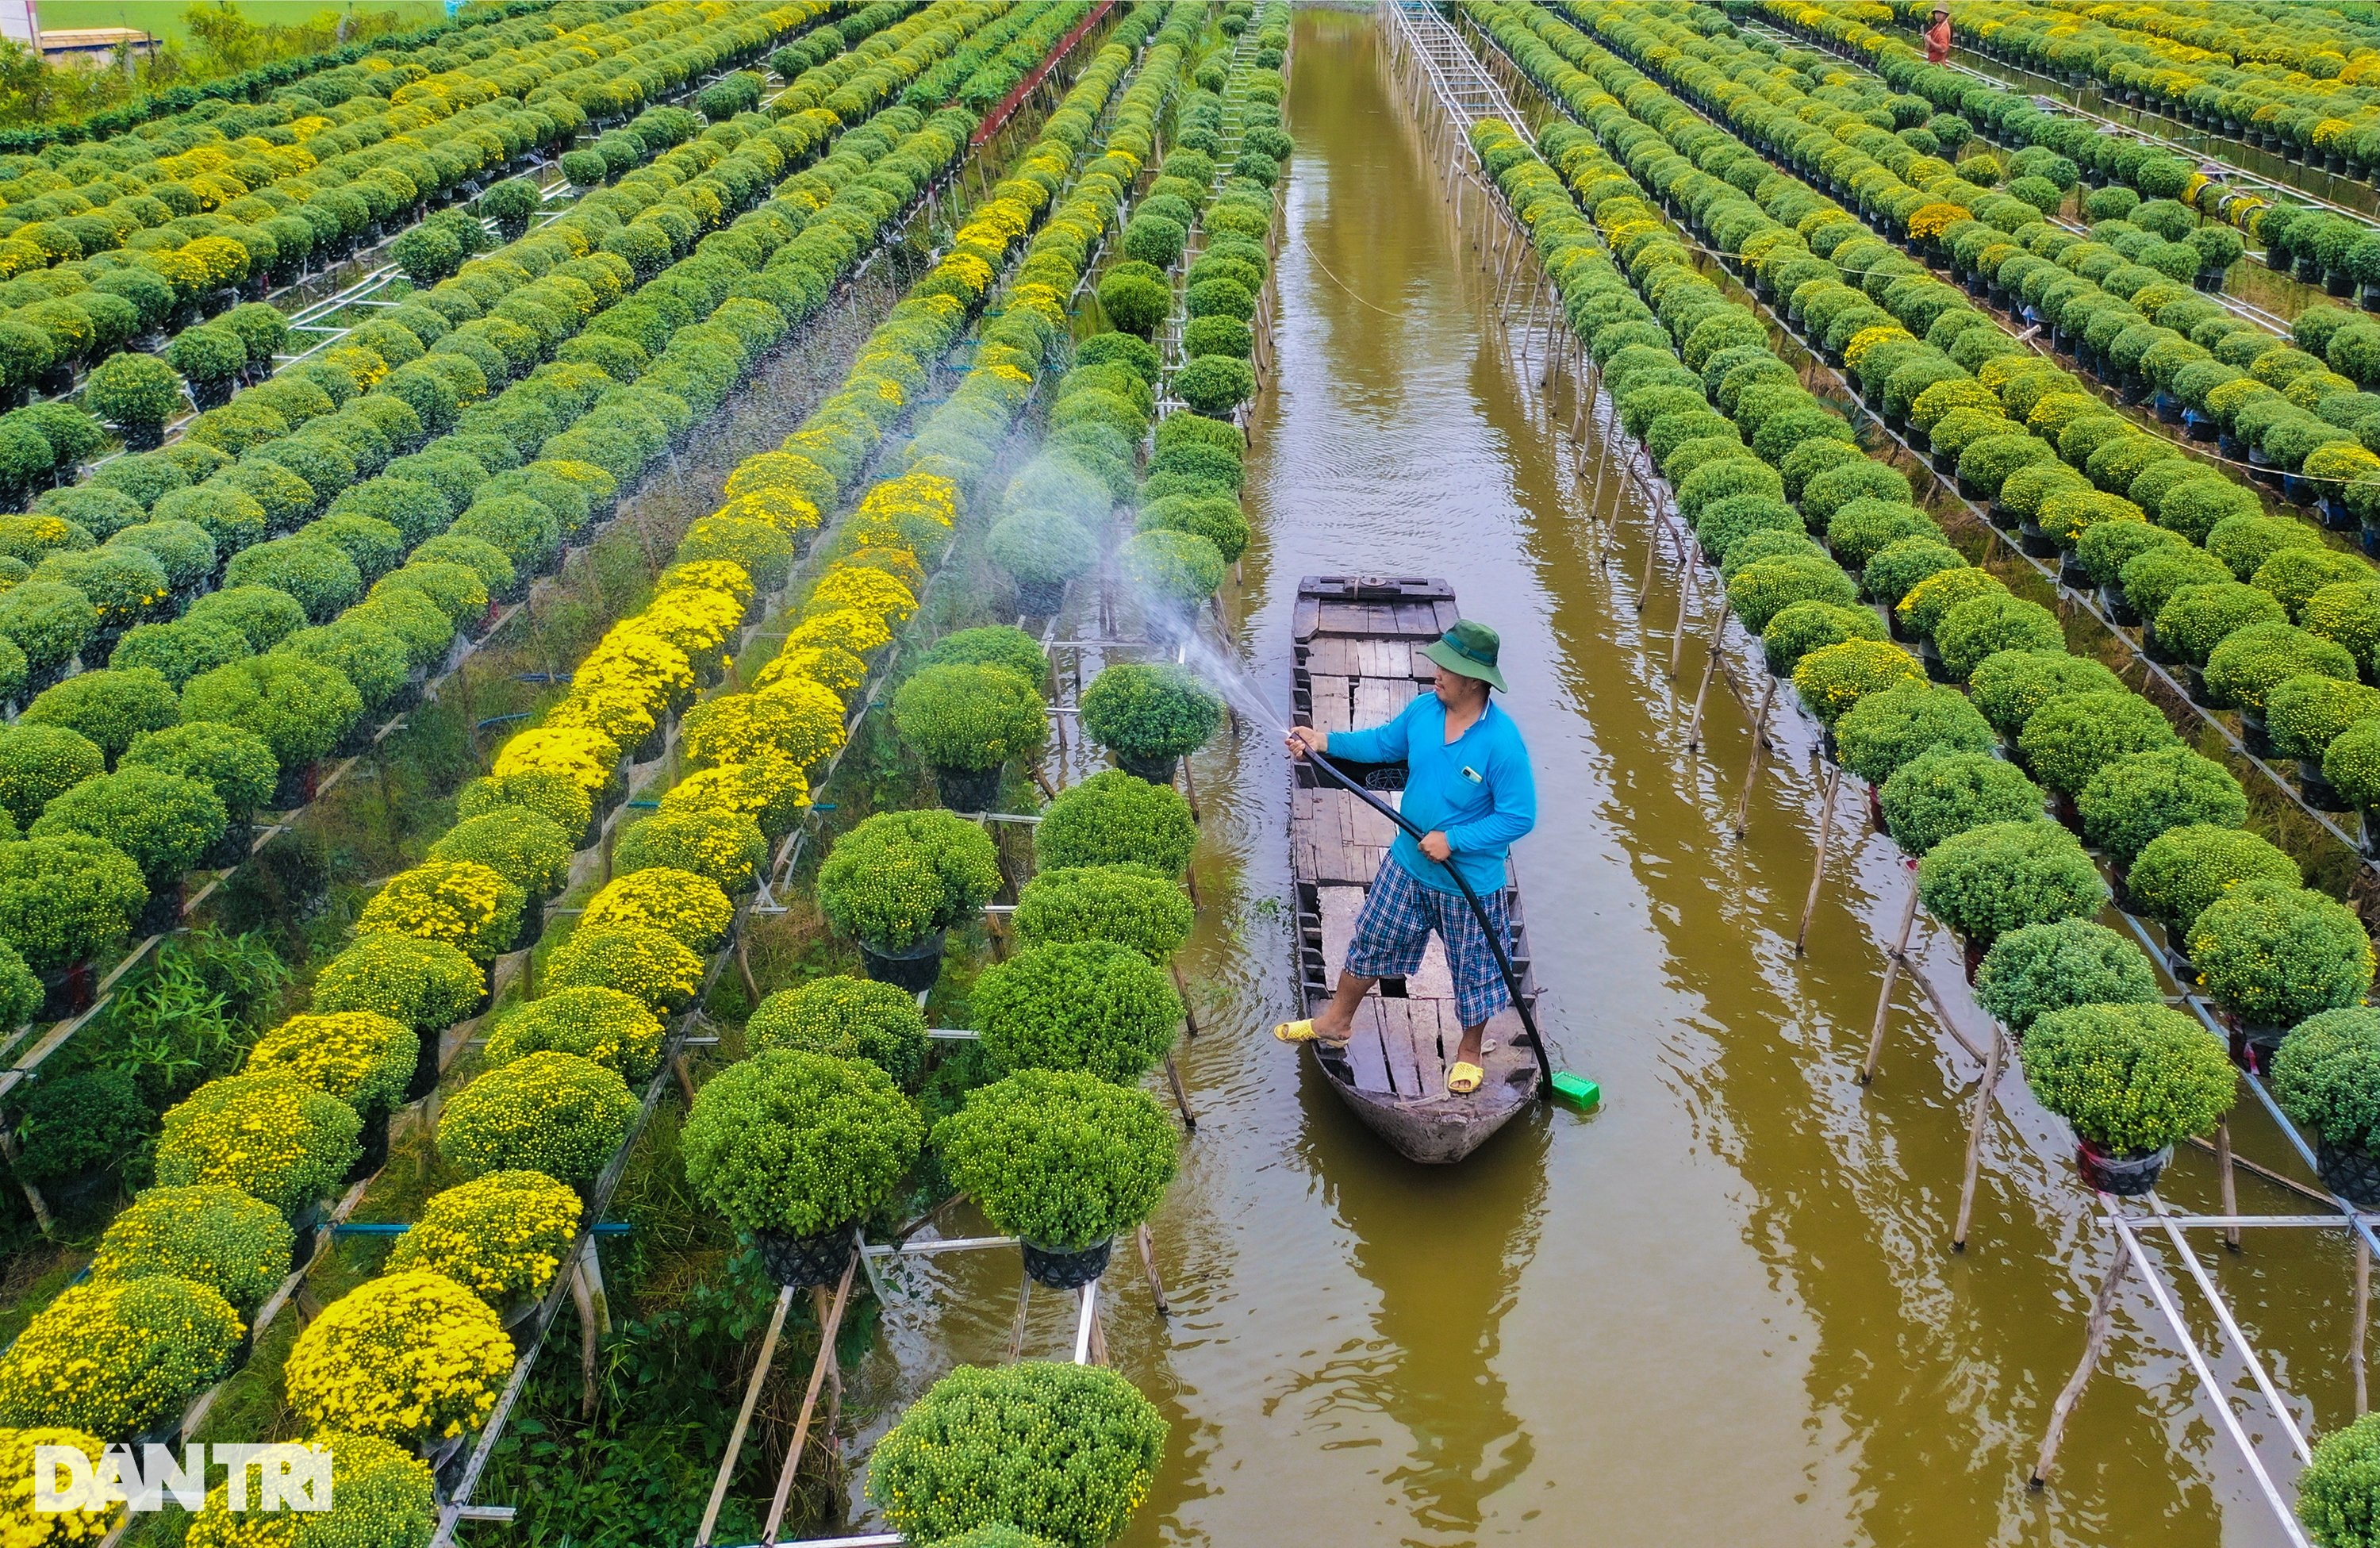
<point x="1396" y="1036"/>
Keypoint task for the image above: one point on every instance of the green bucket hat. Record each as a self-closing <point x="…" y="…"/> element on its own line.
<point x="1468" y="650"/>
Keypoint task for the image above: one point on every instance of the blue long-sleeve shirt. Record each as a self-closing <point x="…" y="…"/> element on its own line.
<point x="1476" y="789"/>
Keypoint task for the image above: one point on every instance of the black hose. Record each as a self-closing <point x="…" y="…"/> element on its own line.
<point x="1486" y="927"/>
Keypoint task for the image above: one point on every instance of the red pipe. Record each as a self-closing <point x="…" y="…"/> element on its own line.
<point x="1008" y="105"/>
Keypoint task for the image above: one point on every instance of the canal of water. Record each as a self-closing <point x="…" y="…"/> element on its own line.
<point x="1724" y="1308"/>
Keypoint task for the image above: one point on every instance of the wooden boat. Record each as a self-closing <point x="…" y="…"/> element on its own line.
<point x="1355" y="640"/>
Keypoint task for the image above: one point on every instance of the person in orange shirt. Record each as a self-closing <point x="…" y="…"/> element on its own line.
<point x="1938" y="36"/>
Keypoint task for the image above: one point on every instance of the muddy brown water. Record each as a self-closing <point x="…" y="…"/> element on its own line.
<point x="1723" y="1307"/>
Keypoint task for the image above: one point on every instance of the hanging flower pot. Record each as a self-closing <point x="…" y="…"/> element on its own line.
<point x="968" y="789"/>
<point x="914" y="968"/>
<point x="1062" y="1269"/>
<point x="801" y="1263"/>
<point x="2126" y="1177"/>
<point x="2351" y="1171"/>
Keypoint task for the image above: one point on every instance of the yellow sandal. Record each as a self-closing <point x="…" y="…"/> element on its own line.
<point x="1463" y="1078"/>
<point x="1303" y="1031"/>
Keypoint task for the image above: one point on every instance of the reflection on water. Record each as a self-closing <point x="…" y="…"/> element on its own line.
<point x="1721" y="1310"/>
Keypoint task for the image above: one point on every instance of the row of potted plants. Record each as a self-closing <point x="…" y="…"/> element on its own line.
<point x="1191" y="528"/>
<point x="124" y="247"/>
<point x="815" y="1133"/>
<point x="2297" y="82"/>
<point x="415" y="1353"/>
<point x="1992" y="864"/>
<point x="2188" y="501"/>
<point x="2106" y="161"/>
<point x="306" y="688"/>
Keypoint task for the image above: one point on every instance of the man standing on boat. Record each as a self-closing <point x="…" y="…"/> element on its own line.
<point x="1469" y="788"/>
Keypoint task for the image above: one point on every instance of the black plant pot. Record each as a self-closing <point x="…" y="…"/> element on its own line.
<point x="1062" y="1270"/>
<point x="804" y="1263"/>
<point x="425" y="1069"/>
<point x="66" y="990"/>
<point x="2254" y="735"/>
<point x="2194" y="683"/>
<point x="374" y="1154"/>
<point x="655" y="742"/>
<point x="162" y="912"/>
<point x="294" y="789"/>
<point x="1039" y="599"/>
<point x="2253" y="1046"/>
<point x="914" y="968"/>
<point x="532" y="925"/>
<point x="2126" y="1177"/>
<point x="1157" y="771"/>
<point x="2317" y="789"/>
<point x="2335" y="516"/>
<point x="144" y="436"/>
<point x="2350" y="1171"/>
<point x="968" y="789"/>
<point x="2119" y="606"/>
<point x="2033" y="540"/>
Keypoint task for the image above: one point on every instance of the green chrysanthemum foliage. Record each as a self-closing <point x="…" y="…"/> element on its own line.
<point x="2327" y="1076"/>
<point x="1896" y="569"/>
<point x="899" y="876"/>
<point x="2010" y="684"/>
<point x="1099" y="1007"/>
<point x="427" y="986"/>
<point x="2272" y="954"/>
<point x="849" y="1019"/>
<point x="1068" y="1449"/>
<point x="1981" y="627"/>
<point x="969" y="717"/>
<point x="1129" y="904"/>
<point x="802" y="1143"/>
<point x="2044" y="968"/>
<point x="1805" y="627"/>
<point x="2132" y="1078"/>
<point x="209" y="1232"/>
<point x="2003" y="876"/>
<point x="999" y="645"/>
<point x="2182" y="870"/>
<point x="1885" y="730"/>
<point x="1062" y="1160"/>
<point x="603" y="1026"/>
<point x="2074" y="736"/>
<point x="2338" y="1493"/>
<point x="1113" y="818"/>
<point x="1142" y="709"/>
<point x="2131" y="801"/>
<point x="551" y="1112"/>
<point x="1944" y="791"/>
<point x="65" y="899"/>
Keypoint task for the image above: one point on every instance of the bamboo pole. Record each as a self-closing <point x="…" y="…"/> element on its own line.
<point x="1986" y="1094"/>
<point x="2094" y="1339"/>
<point x="2356" y="1340"/>
<point x="1017" y="1328"/>
<point x="1148" y="1262"/>
<point x="1687" y="587"/>
<point x="744" y="1416"/>
<point x="1818" y="871"/>
<point x="1759" y="746"/>
<point x="2229" y="1181"/>
<point x="1182" y="1097"/>
<point x="1892" y="960"/>
<point x="1711" y="670"/>
<point x="819" y="1368"/>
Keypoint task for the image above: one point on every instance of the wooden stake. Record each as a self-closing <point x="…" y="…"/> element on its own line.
<point x="1148" y="1262"/>
<point x="744" y="1416"/>
<point x="2230" y="1183"/>
<point x="1173" y="1073"/>
<point x="1189" y="1018"/>
<point x="1818" y="871"/>
<point x="1985" y="1095"/>
<point x="2362" y="1321"/>
<point x="1759" y="746"/>
<point x="1892" y="960"/>
<point x="1652" y="551"/>
<point x="585" y="1301"/>
<point x="819" y="1368"/>
<point x="1017" y="1330"/>
<point x="744" y="965"/>
<point x="1711" y="670"/>
<point x="2094" y="1339"/>
<point x="1687" y="586"/>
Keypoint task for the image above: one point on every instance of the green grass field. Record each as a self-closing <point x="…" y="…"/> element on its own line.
<point x="164" y="17"/>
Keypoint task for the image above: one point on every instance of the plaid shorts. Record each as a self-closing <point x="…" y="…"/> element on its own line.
<point x="1398" y="913"/>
